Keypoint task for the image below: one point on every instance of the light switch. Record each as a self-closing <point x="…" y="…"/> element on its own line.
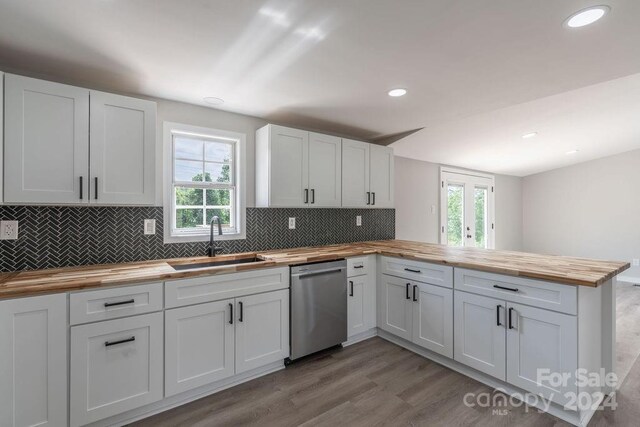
<point x="149" y="226"/>
<point x="358" y="220"/>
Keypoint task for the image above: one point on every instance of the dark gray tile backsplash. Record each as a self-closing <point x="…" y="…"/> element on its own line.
<point x="52" y="237"/>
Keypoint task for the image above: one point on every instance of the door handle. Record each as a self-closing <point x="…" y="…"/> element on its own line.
<point x="505" y="288"/>
<point x="498" y="315"/>
<point x="81" y="189"/>
<point x="110" y="343"/>
<point x="313" y="273"/>
<point x="306" y="195"/>
<point x="230" y="314"/>
<point x="510" y="319"/>
<point x="408" y="284"/>
<point x="414" y="293"/>
<point x="411" y="270"/>
<point x="351" y="284"/>
<point x="313" y="195"/>
<point x="368" y="197"/>
<point x="96" y="187"/>
<point x="112" y="304"/>
<point x="240" y="318"/>
<point x="373" y="194"/>
<point x="469" y="236"/>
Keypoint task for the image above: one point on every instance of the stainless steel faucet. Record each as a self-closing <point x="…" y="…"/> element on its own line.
<point x="212" y="248"/>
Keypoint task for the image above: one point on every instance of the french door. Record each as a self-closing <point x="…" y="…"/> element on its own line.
<point x="467" y="208"/>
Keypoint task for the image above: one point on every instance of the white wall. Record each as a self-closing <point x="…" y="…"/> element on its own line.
<point x="417" y="190"/>
<point x="590" y="209"/>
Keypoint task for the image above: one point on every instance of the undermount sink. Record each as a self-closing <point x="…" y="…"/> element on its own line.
<point x="209" y="264"/>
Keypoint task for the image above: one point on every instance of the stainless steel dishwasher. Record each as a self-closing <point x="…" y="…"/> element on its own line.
<point x="318" y="307"/>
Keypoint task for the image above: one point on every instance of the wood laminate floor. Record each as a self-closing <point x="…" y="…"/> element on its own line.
<point x="376" y="383"/>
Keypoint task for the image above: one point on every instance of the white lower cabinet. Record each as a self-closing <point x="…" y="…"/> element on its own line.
<point x="262" y="330"/>
<point x="395" y="307"/>
<point x="480" y="333"/>
<point x="199" y="342"/>
<point x="33" y="361"/>
<point x="116" y="366"/>
<point x="432" y="318"/>
<point x="418" y="312"/>
<point x="205" y="343"/>
<point x="361" y="304"/>
<point x="541" y="340"/>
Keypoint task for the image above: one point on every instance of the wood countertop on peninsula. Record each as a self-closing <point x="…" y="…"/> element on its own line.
<point x="558" y="269"/>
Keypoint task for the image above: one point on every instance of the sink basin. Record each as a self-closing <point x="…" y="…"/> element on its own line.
<point x="209" y="264"/>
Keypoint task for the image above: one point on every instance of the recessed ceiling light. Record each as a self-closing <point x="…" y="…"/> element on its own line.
<point x="397" y="92"/>
<point x="529" y="135"/>
<point x="212" y="100"/>
<point x="568" y="153"/>
<point x="586" y="16"/>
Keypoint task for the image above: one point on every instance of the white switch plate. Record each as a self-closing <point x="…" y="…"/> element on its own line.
<point x="149" y="226"/>
<point x="636" y="262"/>
<point x="358" y="220"/>
<point x="292" y="223"/>
<point x="8" y="230"/>
<point x="433" y="209"/>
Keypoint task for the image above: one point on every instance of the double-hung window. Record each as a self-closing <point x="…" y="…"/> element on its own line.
<point x="205" y="182"/>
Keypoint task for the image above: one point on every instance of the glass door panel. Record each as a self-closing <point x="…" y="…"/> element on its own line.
<point x="481" y="213"/>
<point x="455" y="215"/>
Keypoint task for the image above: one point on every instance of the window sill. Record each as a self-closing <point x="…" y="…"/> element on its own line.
<point x="202" y="237"/>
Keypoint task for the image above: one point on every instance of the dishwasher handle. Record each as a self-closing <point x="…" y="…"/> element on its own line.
<point x="315" y="273"/>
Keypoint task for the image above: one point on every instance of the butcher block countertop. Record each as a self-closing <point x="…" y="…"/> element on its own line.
<point x="559" y="269"/>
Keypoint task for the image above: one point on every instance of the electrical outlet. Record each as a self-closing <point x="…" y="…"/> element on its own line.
<point x="149" y="226"/>
<point x="358" y="220"/>
<point x="433" y="209"/>
<point x="292" y="223"/>
<point x="636" y="262"/>
<point x="8" y="230"/>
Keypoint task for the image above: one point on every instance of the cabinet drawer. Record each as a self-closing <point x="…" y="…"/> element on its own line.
<point x="106" y="304"/>
<point x="116" y="366"/>
<point x="224" y="286"/>
<point x="434" y="274"/>
<point x="358" y="266"/>
<point x="537" y="293"/>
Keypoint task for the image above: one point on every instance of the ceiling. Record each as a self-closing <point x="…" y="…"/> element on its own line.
<point x="479" y="73"/>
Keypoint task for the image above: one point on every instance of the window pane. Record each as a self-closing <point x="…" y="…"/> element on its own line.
<point x="215" y="172"/>
<point x="188" y="148"/>
<point x="188" y="171"/>
<point x="188" y="218"/>
<point x="480" y="201"/>
<point x="189" y="196"/>
<point x="224" y="214"/>
<point x="219" y="197"/>
<point x="218" y="152"/>
<point x="455" y="209"/>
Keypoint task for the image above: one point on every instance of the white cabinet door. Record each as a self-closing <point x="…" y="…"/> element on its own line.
<point x="46" y="138"/>
<point x="355" y="174"/>
<point x="116" y="366"/>
<point x="325" y="171"/>
<point x="199" y="343"/>
<point x="361" y="304"/>
<point x="433" y="318"/>
<point x="479" y="333"/>
<point x="289" y="167"/>
<point x="381" y="176"/>
<point x="1" y="135"/>
<point x="262" y="329"/>
<point x="395" y="306"/>
<point x="539" y="339"/>
<point x="123" y="142"/>
<point x="33" y="361"/>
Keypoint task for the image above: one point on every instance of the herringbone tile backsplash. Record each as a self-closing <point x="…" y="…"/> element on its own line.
<point x="52" y="237"/>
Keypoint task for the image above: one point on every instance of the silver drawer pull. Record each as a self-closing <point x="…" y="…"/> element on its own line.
<point x="112" y="304"/>
<point x="110" y="343"/>
<point x="315" y="273"/>
<point x="505" y="288"/>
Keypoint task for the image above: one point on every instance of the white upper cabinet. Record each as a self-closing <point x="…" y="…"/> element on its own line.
<point x="381" y="176"/>
<point x="325" y="171"/>
<point x="282" y="177"/>
<point x="69" y="145"/>
<point x="123" y="140"/>
<point x="355" y="173"/>
<point x="46" y="142"/>
<point x="367" y="171"/>
<point x="296" y="168"/>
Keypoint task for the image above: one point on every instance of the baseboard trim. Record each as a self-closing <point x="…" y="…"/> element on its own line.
<point x="361" y="337"/>
<point x="186" y="397"/>
<point x="572" y="417"/>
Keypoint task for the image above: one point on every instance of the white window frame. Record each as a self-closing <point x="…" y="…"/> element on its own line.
<point x="468" y="179"/>
<point x="239" y="170"/>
